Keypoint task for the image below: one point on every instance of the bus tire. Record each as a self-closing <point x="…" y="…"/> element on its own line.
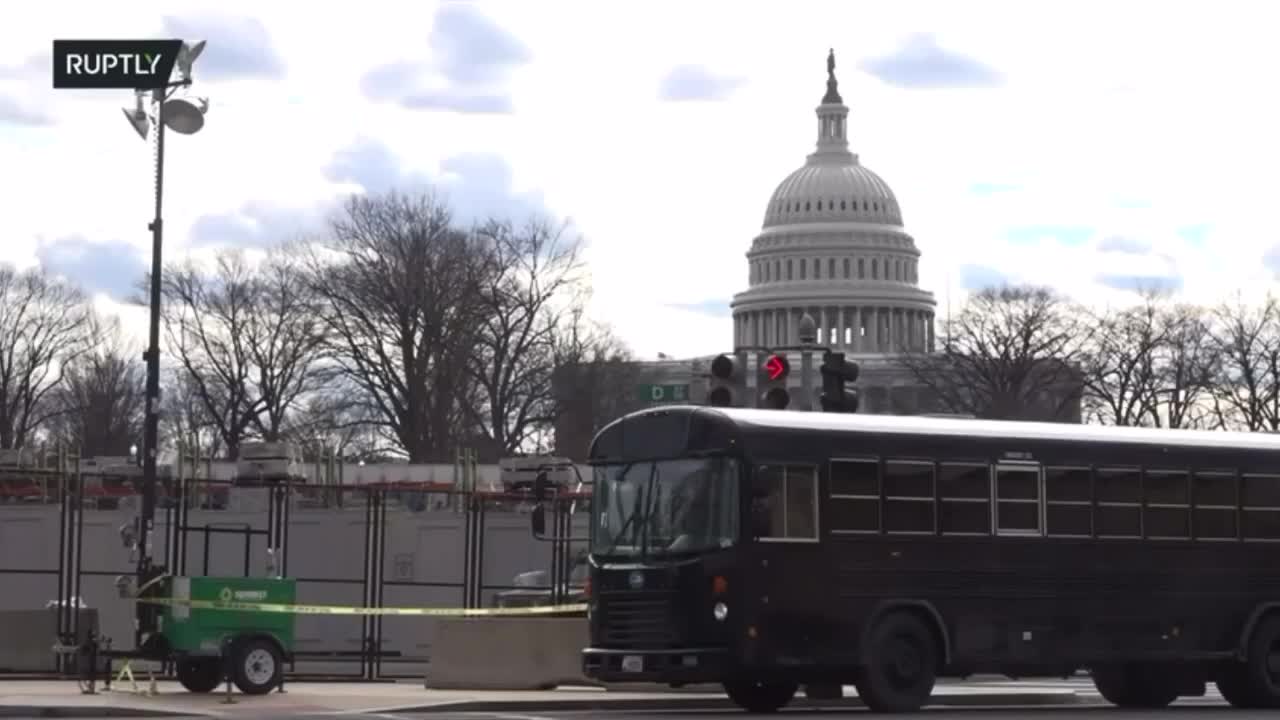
<point x="1232" y="680"/>
<point x="901" y="667"/>
<point x="760" y="696"/>
<point x="1133" y="686"/>
<point x="1260" y="678"/>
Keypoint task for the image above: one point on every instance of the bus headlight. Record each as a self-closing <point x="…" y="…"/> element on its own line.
<point x="719" y="611"/>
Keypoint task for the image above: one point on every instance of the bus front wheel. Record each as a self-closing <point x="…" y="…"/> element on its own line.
<point x="758" y="696"/>
<point x="902" y="665"/>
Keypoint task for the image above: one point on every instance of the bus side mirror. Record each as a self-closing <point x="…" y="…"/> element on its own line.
<point x="539" y="521"/>
<point x="540" y="486"/>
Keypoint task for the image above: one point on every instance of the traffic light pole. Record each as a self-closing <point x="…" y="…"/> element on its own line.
<point x="837" y="372"/>
<point x="731" y="381"/>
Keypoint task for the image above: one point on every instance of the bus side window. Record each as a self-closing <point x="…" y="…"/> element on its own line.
<point x="784" y="503"/>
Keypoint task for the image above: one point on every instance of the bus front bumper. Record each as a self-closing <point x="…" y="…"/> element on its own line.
<point x="671" y="666"/>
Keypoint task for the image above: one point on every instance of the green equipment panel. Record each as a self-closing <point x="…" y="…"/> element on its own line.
<point x="201" y="631"/>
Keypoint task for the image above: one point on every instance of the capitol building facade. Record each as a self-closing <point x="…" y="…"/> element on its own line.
<point x="832" y="246"/>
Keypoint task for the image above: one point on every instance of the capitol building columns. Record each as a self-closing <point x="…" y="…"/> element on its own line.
<point x="847" y="328"/>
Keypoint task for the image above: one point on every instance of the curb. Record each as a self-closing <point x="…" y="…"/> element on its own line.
<point x="90" y="711"/>
<point x="1012" y="699"/>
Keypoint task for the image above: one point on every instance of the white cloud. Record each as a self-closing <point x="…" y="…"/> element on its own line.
<point x="1153" y="122"/>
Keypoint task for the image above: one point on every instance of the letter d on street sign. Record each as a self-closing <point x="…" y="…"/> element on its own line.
<point x="118" y="64"/>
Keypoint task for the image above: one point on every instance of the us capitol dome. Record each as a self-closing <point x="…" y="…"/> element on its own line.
<point x="833" y="246"/>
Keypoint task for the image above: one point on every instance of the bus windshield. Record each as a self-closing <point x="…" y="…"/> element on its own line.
<point x="645" y="509"/>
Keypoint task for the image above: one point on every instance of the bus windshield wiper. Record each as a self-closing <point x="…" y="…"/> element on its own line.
<point x="635" y="510"/>
<point x="653" y="500"/>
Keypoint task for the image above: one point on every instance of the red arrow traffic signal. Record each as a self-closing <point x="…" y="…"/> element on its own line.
<point x="776" y="367"/>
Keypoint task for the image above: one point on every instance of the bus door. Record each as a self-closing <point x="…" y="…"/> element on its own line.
<point x="784" y="524"/>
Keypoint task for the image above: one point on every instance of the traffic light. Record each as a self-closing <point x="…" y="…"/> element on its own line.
<point x="836" y="373"/>
<point x="727" y="381"/>
<point x="774" y="370"/>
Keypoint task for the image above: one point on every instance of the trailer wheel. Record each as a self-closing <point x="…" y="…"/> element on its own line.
<point x="1133" y="686"/>
<point x="902" y="665"/>
<point x="759" y="696"/>
<point x="200" y="675"/>
<point x="258" y="666"/>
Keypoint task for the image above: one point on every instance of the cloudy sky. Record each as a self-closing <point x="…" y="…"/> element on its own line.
<point x="1089" y="145"/>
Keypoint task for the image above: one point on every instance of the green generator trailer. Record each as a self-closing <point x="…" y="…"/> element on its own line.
<point x="209" y="643"/>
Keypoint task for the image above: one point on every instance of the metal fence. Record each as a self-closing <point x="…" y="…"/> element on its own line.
<point x="376" y="545"/>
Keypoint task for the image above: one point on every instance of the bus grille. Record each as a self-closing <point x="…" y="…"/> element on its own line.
<point x="637" y="620"/>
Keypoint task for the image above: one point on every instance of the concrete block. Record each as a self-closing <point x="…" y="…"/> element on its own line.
<point x="507" y="653"/>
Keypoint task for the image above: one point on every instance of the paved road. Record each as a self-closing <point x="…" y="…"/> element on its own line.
<point x="337" y="701"/>
<point x="1187" y="710"/>
<point x="1178" y="712"/>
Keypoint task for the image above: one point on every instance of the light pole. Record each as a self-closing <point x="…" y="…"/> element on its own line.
<point x="808" y="337"/>
<point x="174" y="108"/>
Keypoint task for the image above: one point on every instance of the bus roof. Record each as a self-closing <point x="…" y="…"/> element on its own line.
<point x="960" y="427"/>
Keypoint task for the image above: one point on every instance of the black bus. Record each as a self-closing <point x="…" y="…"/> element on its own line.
<point x="766" y="550"/>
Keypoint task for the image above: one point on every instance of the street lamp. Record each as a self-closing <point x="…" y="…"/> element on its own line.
<point x="172" y="107"/>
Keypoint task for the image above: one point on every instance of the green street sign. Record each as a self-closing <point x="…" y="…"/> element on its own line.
<point x="663" y="393"/>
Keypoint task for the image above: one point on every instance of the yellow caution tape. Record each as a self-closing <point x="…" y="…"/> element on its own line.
<point x="289" y="608"/>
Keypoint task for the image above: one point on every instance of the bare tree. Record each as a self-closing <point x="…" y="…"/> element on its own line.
<point x="1247" y="341"/>
<point x="1011" y="353"/>
<point x="248" y="338"/>
<point x="285" y="334"/>
<point x="208" y="319"/>
<point x="337" y="419"/>
<point x="401" y="288"/>
<point x="595" y="382"/>
<point x="1119" y="365"/>
<point x="533" y="286"/>
<point x="186" y="421"/>
<point x="1188" y="364"/>
<point x="43" y="328"/>
<point x="102" y="398"/>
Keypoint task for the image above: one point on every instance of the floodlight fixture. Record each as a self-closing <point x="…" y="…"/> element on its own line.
<point x="138" y="117"/>
<point x="184" y="113"/>
<point x="187" y="57"/>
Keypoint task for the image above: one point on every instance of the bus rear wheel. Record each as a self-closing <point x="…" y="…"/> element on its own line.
<point x="759" y="696"/>
<point x="1232" y="680"/>
<point x="902" y="665"/>
<point x="1133" y="686"/>
<point x="1255" y="683"/>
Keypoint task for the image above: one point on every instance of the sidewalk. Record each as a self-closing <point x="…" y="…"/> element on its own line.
<point x="64" y="699"/>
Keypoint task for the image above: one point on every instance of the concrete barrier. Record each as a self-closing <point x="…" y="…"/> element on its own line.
<point x="27" y="638"/>
<point x="507" y="653"/>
